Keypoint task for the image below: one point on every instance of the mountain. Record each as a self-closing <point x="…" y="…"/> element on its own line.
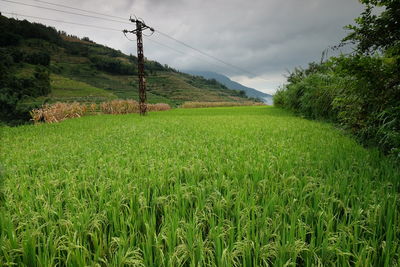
<point x="250" y="92"/>
<point x="39" y="64"/>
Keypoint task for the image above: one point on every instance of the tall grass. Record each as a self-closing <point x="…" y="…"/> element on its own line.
<point x="244" y="186"/>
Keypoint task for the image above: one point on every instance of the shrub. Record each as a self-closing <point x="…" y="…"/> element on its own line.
<point x="38" y="58"/>
<point x="361" y="93"/>
<point x="280" y="97"/>
<point x="113" y="65"/>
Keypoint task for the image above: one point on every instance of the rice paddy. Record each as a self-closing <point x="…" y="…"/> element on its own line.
<point x="238" y="186"/>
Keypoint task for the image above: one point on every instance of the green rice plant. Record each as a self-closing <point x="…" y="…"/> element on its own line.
<point x="237" y="186"/>
<point x="219" y="104"/>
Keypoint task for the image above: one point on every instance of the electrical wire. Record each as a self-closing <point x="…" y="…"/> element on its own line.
<point x="79" y="9"/>
<point x="127" y="36"/>
<point x="109" y="29"/>
<point x="63" y="11"/>
<point x="93" y="26"/>
<point x="62" y="21"/>
<point x="152" y="32"/>
<point x="158" y="31"/>
<point x="161" y="44"/>
<point x="183" y="53"/>
<point x="205" y="54"/>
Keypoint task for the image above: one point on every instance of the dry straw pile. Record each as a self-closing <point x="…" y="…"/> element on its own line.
<point x="58" y="112"/>
<point x="61" y="111"/>
<point x="129" y="106"/>
<point x="119" y="107"/>
<point x="158" y="107"/>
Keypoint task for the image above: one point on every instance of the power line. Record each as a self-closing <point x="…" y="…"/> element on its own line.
<point x="104" y="28"/>
<point x="93" y="26"/>
<point x="161" y="44"/>
<point x="204" y="53"/>
<point x="79" y="9"/>
<point x="172" y="48"/>
<point x="63" y="11"/>
<point x="180" y="52"/>
<point x="107" y="19"/>
<point x="107" y="29"/>
<point x="62" y="21"/>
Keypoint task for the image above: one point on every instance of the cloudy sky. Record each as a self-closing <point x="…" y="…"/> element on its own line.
<point x="264" y="37"/>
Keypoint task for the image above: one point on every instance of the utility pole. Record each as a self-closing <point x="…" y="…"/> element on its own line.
<point x="140" y="26"/>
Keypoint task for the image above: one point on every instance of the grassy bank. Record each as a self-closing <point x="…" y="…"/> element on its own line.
<point x="242" y="186"/>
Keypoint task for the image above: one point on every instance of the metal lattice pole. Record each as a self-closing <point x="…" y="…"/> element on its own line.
<point x="142" y="81"/>
<point x="140" y="26"/>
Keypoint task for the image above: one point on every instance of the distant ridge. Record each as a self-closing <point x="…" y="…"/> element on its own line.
<point x="250" y="92"/>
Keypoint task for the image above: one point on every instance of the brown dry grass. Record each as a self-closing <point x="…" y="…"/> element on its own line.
<point x="218" y="104"/>
<point x="129" y="106"/>
<point x="119" y="106"/>
<point x="58" y="112"/>
<point x="61" y="111"/>
<point x="93" y="107"/>
<point x="158" y="107"/>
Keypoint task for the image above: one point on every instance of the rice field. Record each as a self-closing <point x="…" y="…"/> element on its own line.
<point x="238" y="186"/>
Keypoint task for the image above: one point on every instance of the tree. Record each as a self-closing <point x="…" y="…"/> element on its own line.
<point x="377" y="32"/>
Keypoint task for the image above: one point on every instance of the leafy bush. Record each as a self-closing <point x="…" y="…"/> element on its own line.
<point x="9" y="39"/>
<point x="368" y="105"/>
<point x="38" y="58"/>
<point x="280" y="97"/>
<point x="14" y="90"/>
<point x="23" y="29"/>
<point x="113" y="65"/>
<point x="361" y="93"/>
<point x="76" y="49"/>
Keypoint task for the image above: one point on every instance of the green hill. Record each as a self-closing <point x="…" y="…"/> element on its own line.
<point x="42" y="65"/>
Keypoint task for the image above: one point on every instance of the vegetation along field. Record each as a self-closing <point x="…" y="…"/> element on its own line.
<point x="244" y="186"/>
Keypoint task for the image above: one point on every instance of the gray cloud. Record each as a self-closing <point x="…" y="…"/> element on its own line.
<point x="265" y="37"/>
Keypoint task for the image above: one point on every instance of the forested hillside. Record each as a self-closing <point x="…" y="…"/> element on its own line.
<point x="39" y="64"/>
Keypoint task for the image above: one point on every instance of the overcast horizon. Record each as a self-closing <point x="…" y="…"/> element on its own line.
<point x="264" y="38"/>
